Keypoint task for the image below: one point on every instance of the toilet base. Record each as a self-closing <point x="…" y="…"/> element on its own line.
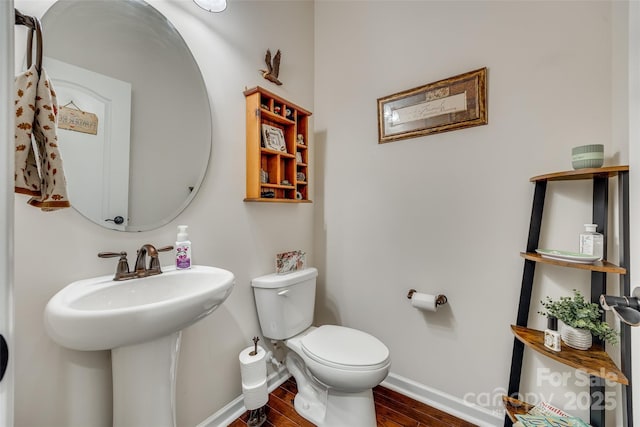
<point x="350" y="409"/>
<point x="326" y="407"/>
<point x="342" y="410"/>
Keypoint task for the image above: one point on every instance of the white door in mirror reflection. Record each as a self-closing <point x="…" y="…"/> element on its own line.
<point x="96" y="166"/>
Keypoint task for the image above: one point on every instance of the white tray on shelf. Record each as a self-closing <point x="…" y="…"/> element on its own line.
<point x="567" y="256"/>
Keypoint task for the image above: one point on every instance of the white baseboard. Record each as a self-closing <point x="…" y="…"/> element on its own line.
<point x="235" y="408"/>
<point x="420" y="392"/>
<point x="445" y="402"/>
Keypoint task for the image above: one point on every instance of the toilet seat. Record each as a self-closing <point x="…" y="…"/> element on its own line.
<point x="345" y="348"/>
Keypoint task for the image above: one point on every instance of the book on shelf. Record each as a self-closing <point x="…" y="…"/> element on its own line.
<point x="545" y="408"/>
<point x="546" y="415"/>
<point x="549" y="421"/>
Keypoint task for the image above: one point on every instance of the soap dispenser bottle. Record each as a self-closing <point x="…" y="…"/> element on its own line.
<point x="551" y="334"/>
<point x="183" y="249"/>
<point x="592" y="242"/>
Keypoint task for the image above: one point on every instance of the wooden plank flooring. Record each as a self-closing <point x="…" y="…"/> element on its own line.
<point x="392" y="409"/>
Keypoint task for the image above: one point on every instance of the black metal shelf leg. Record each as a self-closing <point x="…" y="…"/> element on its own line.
<point x="526" y="289"/>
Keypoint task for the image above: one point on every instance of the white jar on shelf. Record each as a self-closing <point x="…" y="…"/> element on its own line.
<point x="592" y="242"/>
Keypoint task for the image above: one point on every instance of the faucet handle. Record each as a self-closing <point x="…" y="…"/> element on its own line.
<point x="111" y="254"/>
<point x="123" y="265"/>
<point x="154" y="264"/>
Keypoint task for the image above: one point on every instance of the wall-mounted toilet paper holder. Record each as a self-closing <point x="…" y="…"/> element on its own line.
<point x="440" y="299"/>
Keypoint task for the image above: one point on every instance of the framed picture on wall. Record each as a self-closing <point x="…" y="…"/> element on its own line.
<point x="273" y="138"/>
<point x="454" y="103"/>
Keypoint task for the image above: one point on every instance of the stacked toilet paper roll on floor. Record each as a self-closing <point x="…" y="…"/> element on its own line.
<point x="253" y="371"/>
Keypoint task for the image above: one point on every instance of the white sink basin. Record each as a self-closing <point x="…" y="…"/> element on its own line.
<point x="102" y="314"/>
<point x="141" y="322"/>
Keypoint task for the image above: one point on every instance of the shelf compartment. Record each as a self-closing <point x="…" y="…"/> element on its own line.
<point x="303" y="190"/>
<point x="588" y="173"/>
<point x="265" y="94"/>
<point x="271" y="164"/>
<point x="601" y="266"/>
<point x="268" y="115"/>
<point x="594" y="361"/>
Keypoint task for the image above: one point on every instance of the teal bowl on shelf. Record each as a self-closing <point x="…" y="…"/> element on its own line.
<point x="587" y="156"/>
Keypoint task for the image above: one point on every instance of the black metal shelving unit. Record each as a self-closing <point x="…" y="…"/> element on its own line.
<point x="600" y="178"/>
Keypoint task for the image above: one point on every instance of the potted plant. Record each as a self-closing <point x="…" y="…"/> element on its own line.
<point x="581" y="319"/>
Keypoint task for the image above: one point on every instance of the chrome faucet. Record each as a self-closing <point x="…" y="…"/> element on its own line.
<point x="141" y="270"/>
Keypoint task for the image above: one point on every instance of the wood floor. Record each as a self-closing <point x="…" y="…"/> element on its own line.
<point x="392" y="409"/>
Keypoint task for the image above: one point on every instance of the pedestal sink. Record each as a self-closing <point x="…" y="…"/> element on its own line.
<point x="140" y="321"/>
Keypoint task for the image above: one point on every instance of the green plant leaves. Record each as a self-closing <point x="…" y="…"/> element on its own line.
<point x="577" y="312"/>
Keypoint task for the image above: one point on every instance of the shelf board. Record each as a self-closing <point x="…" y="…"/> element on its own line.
<point x="269" y="94"/>
<point x="276" y="200"/>
<point x="515" y="407"/>
<point x="588" y="173"/>
<point x="301" y="164"/>
<point x="276" y="153"/>
<point x="602" y="266"/>
<point x="301" y="183"/>
<point x="303" y="146"/>
<point x="594" y="361"/>
<point x="284" y="187"/>
<point x="271" y="116"/>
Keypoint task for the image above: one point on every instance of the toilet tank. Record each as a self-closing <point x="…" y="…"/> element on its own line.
<point x="285" y="302"/>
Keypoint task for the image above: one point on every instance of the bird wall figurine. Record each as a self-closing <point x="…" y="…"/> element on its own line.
<point x="273" y="68"/>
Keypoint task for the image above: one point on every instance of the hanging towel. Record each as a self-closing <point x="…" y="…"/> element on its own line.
<point x="39" y="172"/>
<point x="27" y="180"/>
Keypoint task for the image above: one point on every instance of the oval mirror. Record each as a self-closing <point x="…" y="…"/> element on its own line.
<point x="134" y="116"/>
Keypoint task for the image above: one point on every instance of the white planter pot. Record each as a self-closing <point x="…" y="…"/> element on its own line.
<point x="580" y="339"/>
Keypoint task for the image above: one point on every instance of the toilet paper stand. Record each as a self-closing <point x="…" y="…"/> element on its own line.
<point x="257" y="417"/>
<point x="253" y="371"/>
<point x="440" y="299"/>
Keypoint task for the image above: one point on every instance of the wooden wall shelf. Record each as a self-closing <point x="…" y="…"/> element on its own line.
<point x="515" y="407"/>
<point x="288" y="168"/>
<point x="594" y="361"/>
<point x="602" y="266"/>
<point x="589" y="173"/>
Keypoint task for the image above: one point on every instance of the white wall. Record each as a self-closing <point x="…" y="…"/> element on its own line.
<point x="56" y="387"/>
<point x="449" y="213"/>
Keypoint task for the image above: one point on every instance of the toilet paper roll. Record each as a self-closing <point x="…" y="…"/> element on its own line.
<point x="253" y="368"/>
<point x="424" y="301"/>
<point x="255" y="396"/>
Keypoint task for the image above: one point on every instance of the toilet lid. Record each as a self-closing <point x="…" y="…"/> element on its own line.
<point x="338" y="345"/>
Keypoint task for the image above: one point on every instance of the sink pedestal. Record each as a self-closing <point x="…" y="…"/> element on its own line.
<point x="144" y="382"/>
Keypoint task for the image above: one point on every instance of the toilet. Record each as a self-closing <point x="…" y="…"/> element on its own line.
<point x="335" y="367"/>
